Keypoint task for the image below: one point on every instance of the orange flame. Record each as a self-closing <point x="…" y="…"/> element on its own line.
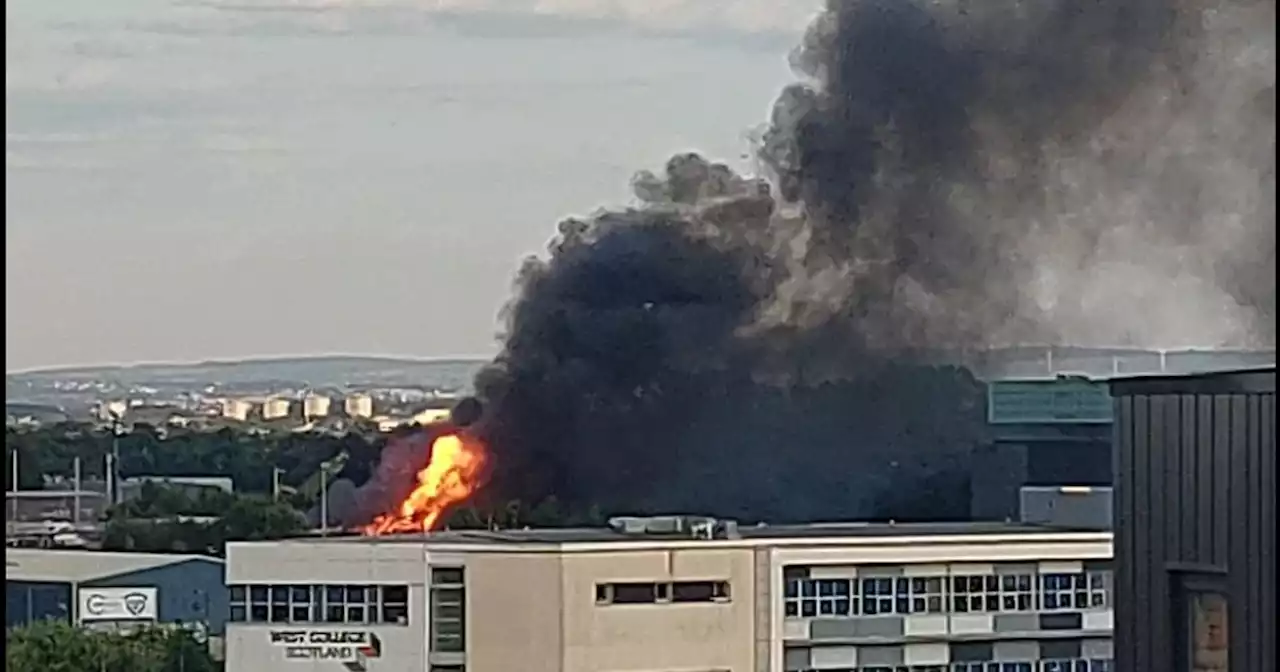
<point x="451" y="476"/>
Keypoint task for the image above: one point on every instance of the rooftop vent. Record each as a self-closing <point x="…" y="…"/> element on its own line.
<point x="691" y="527"/>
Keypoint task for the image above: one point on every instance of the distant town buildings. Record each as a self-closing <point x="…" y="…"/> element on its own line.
<point x="300" y="410"/>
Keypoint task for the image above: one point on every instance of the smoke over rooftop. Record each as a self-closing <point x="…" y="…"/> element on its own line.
<point x="946" y="175"/>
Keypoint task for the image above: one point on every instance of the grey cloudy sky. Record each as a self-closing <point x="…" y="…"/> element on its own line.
<point x="195" y="180"/>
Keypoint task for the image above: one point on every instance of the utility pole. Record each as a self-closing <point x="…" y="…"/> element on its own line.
<point x="14" y="497"/>
<point x="75" y="517"/>
<point x="324" y="499"/>
<point x="110" y="468"/>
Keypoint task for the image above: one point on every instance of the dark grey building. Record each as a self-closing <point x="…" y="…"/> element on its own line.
<point x="1044" y="432"/>
<point x="107" y="589"/>
<point x="1195" y="524"/>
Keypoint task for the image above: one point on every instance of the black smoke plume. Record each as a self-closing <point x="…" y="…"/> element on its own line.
<point x="948" y="176"/>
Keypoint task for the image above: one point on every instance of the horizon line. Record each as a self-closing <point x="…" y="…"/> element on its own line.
<point x="250" y="359"/>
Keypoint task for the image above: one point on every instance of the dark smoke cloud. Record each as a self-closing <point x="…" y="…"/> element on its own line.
<point x="948" y="176"/>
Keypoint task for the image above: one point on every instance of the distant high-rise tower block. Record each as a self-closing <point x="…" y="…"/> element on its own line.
<point x="315" y="406"/>
<point x="236" y="409"/>
<point x="275" y="408"/>
<point x="359" y="406"/>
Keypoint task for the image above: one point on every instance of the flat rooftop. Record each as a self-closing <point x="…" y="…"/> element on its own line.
<point x="750" y="534"/>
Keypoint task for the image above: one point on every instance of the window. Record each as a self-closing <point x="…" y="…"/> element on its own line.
<point x="259" y="604"/>
<point x="1016" y="594"/>
<point x="448" y="609"/>
<point x="1063" y="592"/>
<point x="634" y="593"/>
<point x="350" y="604"/>
<point x="926" y="594"/>
<point x="1101" y="665"/>
<point x="1099" y="589"/>
<point x="395" y="604"/>
<point x="306" y="603"/>
<point x="975" y="594"/>
<point x="877" y="596"/>
<point x="1064" y="665"/>
<point x="700" y="591"/>
<point x="825" y="597"/>
<point x="1075" y="592"/>
<point x="894" y="668"/>
<point x="239" y="613"/>
<point x="301" y="604"/>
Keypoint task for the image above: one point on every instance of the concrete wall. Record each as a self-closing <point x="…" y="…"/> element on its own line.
<point x="613" y="638"/>
<point x="515" y="607"/>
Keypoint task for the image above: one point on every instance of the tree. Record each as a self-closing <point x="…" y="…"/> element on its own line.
<point x="56" y="646"/>
<point x="160" y="520"/>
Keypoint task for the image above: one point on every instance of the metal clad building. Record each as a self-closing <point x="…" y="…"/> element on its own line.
<point x="1195" y="522"/>
<point x="657" y="594"/>
<point x="102" y="588"/>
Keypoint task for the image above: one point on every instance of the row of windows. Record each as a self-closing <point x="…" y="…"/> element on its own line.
<point x="871" y="596"/>
<point x="307" y="603"/>
<point x="1056" y="665"/>
<point x="654" y="593"/>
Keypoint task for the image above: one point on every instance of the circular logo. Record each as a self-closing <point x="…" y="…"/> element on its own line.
<point x="96" y="604"/>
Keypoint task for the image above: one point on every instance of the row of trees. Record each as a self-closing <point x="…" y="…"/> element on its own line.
<point x="164" y="518"/>
<point x="56" y="646"/>
<point x="248" y="458"/>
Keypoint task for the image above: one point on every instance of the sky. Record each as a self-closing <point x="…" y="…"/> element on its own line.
<point x="193" y="180"/>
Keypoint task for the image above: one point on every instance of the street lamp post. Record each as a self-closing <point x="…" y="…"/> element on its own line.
<point x="113" y="464"/>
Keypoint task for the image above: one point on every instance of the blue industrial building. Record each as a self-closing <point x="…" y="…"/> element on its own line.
<point x="94" y="588"/>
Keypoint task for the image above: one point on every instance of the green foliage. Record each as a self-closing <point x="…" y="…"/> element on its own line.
<point x="56" y="646"/>
<point x="248" y="458"/>
<point x="163" y="518"/>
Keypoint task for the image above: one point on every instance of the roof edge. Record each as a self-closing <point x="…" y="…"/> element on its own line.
<point x="1257" y="380"/>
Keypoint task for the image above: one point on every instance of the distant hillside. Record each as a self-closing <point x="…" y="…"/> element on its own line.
<point x="304" y="371"/>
